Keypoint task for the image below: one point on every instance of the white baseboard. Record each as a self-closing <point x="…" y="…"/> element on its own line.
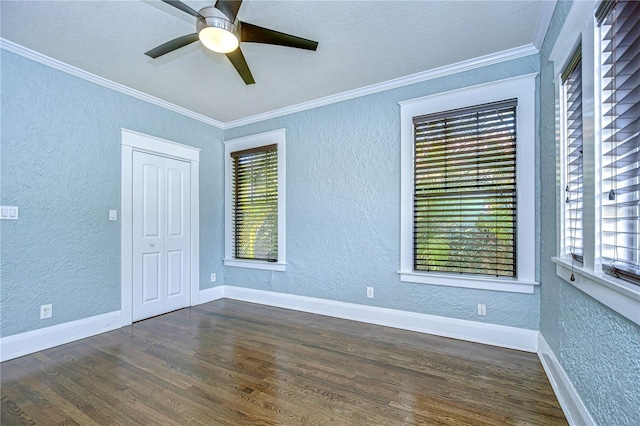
<point x="490" y="334"/>
<point x="571" y="403"/>
<point x="48" y="337"/>
<point x="211" y="294"/>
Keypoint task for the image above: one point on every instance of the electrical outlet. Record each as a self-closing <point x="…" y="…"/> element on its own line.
<point x="370" y="292"/>
<point x="213" y="278"/>
<point x="46" y="311"/>
<point x="482" y="309"/>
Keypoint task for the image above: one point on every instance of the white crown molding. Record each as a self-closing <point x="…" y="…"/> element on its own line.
<point x="29" y="342"/>
<point x="12" y="47"/>
<point x="546" y="13"/>
<point x="482" y="61"/>
<point x="572" y="406"/>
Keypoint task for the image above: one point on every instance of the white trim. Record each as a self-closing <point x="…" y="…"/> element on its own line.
<point x="211" y="294"/>
<point x="546" y="13"/>
<point x="134" y="141"/>
<point x="472" y="331"/>
<point x="572" y="406"/>
<point x="482" y="61"/>
<point x="497" y="284"/>
<point x="619" y="295"/>
<point x="12" y="47"/>
<point x="580" y="18"/>
<point x="151" y="144"/>
<point x="520" y="87"/>
<point x="195" y="233"/>
<point x="44" y="338"/>
<point x="126" y="234"/>
<point x="247" y="142"/>
<point x="255" y="264"/>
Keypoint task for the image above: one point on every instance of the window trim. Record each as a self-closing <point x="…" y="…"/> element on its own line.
<point x="522" y="88"/>
<point x="621" y="296"/>
<point x="253" y="141"/>
<point x="566" y="249"/>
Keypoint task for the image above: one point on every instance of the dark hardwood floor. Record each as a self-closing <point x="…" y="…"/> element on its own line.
<point x="231" y="363"/>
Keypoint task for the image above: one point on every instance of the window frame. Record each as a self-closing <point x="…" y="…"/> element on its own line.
<point x="619" y="295"/>
<point x="276" y="137"/>
<point x="569" y="248"/>
<point x="521" y="88"/>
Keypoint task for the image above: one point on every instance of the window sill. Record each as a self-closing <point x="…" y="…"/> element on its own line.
<point x="255" y="264"/>
<point x="619" y="295"/>
<point x="496" y="284"/>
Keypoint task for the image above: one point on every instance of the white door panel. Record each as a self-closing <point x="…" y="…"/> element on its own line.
<point x="174" y="273"/>
<point x="177" y="238"/>
<point x="150" y="278"/>
<point x="161" y="229"/>
<point x="151" y="199"/>
<point x="175" y="194"/>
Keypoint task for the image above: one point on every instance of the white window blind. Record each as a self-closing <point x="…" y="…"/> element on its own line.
<point x="620" y="52"/>
<point x="465" y="191"/>
<point x="255" y="203"/>
<point x="574" y="190"/>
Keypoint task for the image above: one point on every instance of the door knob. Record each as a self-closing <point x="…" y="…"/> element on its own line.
<point x="151" y="244"/>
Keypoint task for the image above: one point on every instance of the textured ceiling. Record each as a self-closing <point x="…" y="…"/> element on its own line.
<point x="360" y="43"/>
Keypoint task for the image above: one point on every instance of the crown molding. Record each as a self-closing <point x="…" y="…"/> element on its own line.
<point x="12" y="47"/>
<point x="482" y="61"/>
<point x="546" y="13"/>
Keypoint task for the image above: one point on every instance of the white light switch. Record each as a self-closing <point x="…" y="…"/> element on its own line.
<point x="9" y="212"/>
<point x="113" y="214"/>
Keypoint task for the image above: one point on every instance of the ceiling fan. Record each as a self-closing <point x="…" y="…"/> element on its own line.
<point x="219" y="30"/>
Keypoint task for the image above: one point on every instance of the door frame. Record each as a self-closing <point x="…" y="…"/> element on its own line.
<point x="134" y="141"/>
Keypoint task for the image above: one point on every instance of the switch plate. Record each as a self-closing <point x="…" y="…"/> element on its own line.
<point x="213" y="278"/>
<point x="9" y="212"/>
<point x="113" y="214"/>
<point x="370" y="292"/>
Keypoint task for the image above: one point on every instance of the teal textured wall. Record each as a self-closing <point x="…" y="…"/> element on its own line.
<point x="61" y="166"/>
<point x="343" y="208"/>
<point x="598" y="348"/>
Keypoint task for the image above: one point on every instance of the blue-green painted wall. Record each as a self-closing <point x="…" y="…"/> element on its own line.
<point x="60" y="164"/>
<point x="343" y="208"/>
<point x="60" y="159"/>
<point x="598" y="348"/>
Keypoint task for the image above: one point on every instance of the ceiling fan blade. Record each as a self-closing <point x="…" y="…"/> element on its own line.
<point x="183" y="7"/>
<point x="255" y="34"/>
<point x="229" y="8"/>
<point x="172" y="45"/>
<point x="237" y="59"/>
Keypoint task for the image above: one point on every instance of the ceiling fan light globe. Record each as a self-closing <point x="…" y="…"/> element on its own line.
<point x="218" y="39"/>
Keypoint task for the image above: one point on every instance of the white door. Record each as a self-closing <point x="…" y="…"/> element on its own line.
<point x="161" y="235"/>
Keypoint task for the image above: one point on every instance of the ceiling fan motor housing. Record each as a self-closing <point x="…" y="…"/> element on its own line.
<point x="210" y="17"/>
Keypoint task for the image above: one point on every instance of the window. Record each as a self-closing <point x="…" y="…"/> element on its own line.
<point x="254" y="193"/>
<point x="620" y="120"/>
<point x="465" y="191"/>
<point x="254" y="175"/>
<point x="467" y="197"/>
<point x="572" y="126"/>
<point x="606" y="226"/>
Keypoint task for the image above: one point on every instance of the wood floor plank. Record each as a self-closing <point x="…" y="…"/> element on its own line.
<point x="233" y="363"/>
